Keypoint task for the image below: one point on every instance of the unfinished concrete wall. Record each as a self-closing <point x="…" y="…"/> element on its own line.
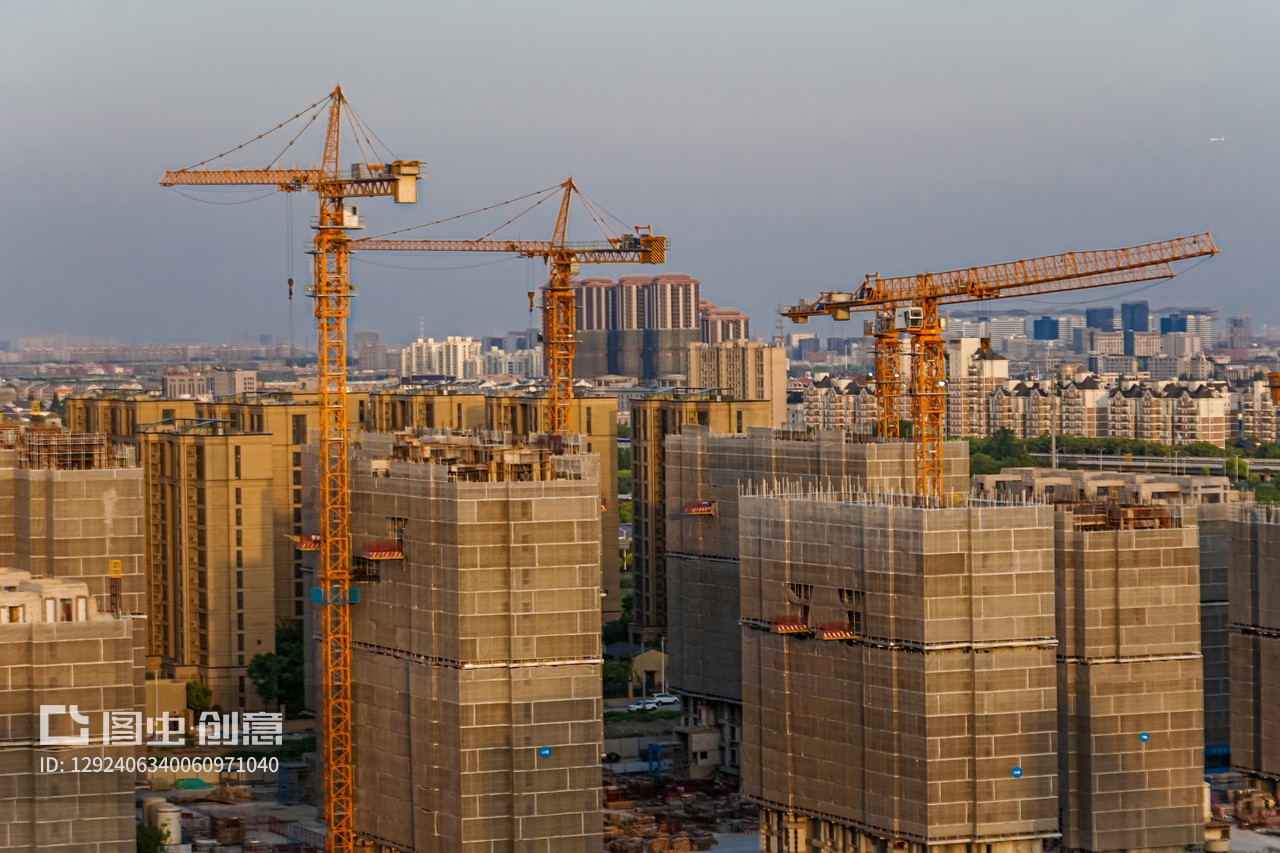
<point x="1254" y="581"/>
<point x="704" y="472"/>
<point x="88" y="662"/>
<point x="1131" y="703"/>
<point x="1214" y="524"/>
<point x="477" y="660"/>
<point x="936" y="683"/>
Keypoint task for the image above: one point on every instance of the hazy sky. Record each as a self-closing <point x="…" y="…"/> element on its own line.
<point x="785" y="148"/>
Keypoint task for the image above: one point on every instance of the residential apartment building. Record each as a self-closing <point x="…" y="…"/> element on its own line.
<point x="742" y="369"/>
<point x="211" y="573"/>
<point x="642" y="325"/>
<point x="652" y="420"/>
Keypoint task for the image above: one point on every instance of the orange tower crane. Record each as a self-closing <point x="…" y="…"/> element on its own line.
<point x="910" y="304"/>
<point x="558" y="309"/>
<point x="331" y="290"/>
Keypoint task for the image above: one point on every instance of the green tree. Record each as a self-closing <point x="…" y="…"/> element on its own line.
<point x="198" y="696"/>
<point x="151" y="839"/>
<point x="617" y="672"/>
<point x="624" y="458"/>
<point x="981" y="463"/>
<point x="626" y="512"/>
<point x="616" y="631"/>
<point x="624" y="481"/>
<point x="278" y="676"/>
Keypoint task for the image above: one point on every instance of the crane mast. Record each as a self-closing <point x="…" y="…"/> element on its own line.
<point x="910" y="304"/>
<point x="331" y="292"/>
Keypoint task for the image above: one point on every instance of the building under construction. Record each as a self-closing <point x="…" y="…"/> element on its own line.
<point x="996" y="673"/>
<point x="1255" y="646"/>
<point x="1130" y="704"/>
<point x="1215" y="507"/>
<point x="476" y="644"/>
<point x="898" y="672"/>
<point x="71" y="634"/>
<point x="704" y="475"/>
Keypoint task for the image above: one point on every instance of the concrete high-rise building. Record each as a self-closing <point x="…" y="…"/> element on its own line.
<point x="1255" y="646"/>
<point x="1211" y="497"/>
<point x="65" y="664"/>
<point x="705" y="474"/>
<point x="455" y="357"/>
<point x="285" y="418"/>
<point x="72" y="629"/>
<point x="723" y="324"/>
<point x="226" y="382"/>
<point x="71" y="508"/>
<point x="898" y="673"/>
<point x="652" y="420"/>
<point x="641" y="325"/>
<point x="476" y="654"/>
<point x="1239" y="332"/>
<point x="1130" y="674"/>
<point x="974" y="372"/>
<point x="595" y="418"/>
<point x="743" y="370"/>
<point x="211" y="574"/>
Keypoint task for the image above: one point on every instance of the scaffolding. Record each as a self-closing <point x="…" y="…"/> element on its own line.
<point x="61" y="451"/>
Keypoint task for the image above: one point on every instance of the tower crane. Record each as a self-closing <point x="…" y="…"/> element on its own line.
<point x="558" y="309"/>
<point x="910" y="304"/>
<point x="331" y="290"/>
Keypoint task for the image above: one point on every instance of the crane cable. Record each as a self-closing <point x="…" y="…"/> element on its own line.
<point x="1140" y="289"/>
<point x="461" y="215"/>
<point x="267" y="194"/>
<point x="362" y="260"/>
<point x="259" y="136"/>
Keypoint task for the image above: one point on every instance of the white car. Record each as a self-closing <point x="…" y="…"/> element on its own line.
<point x="643" y="705"/>
<point x="665" y="699"/>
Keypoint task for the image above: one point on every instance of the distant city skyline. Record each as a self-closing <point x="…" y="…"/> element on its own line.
<point x="783" y="149"/>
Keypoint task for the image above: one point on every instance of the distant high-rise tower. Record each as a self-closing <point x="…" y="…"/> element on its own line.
<point x="1102" y="319"/>
<point x="1045" y="329"/>
<point x="1135" y="316"/>
<point x="1239" y="332"/>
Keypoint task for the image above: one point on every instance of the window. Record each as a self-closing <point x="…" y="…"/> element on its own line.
<point x="395" y="528"/>
<point x="800" y="591"/>
<point x="239" y="538"/>
<point x="239" y="621"/>
<point x="239" y="517"/>
<point x="240" y="561"/>
<point x="237" y="500"/>
<point x="240" y="601"/>
<point x="239" y="578"/>
<point x="236" y="454"/>
<point x="299" y="430"/>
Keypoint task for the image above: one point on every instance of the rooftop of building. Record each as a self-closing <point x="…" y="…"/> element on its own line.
<point x="50" y="447"/>
<point x="484" y="457"/>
